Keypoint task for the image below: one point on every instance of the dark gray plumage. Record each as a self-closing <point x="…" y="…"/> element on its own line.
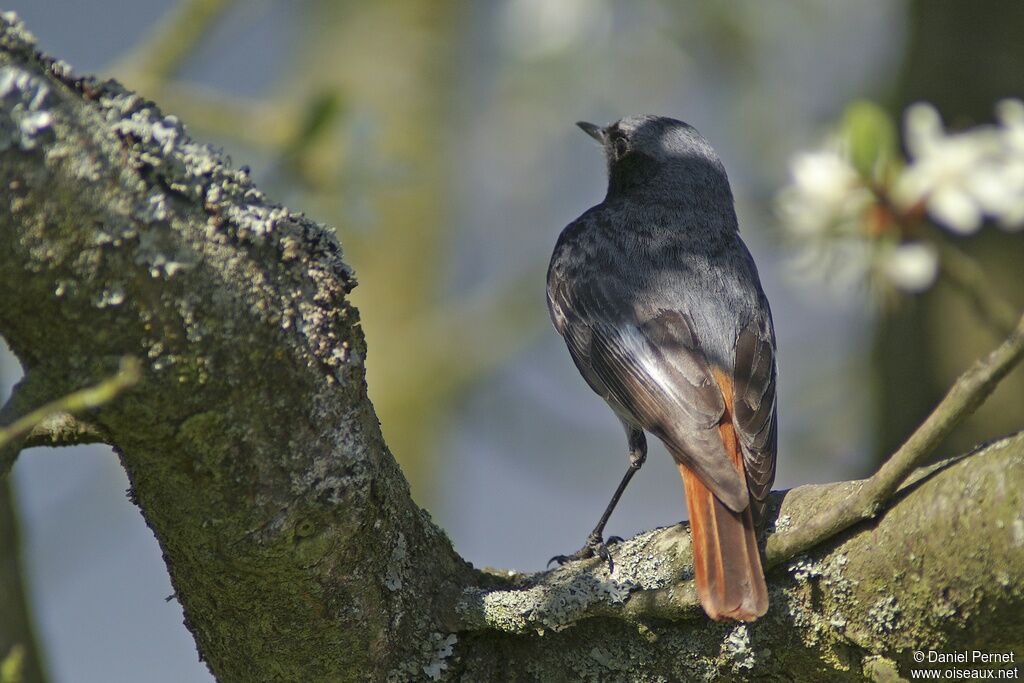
<point x="661" y="307"/>
<point x="653" y="288"/>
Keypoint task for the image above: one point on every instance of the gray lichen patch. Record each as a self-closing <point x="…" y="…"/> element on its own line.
<point x="654" y="559"/>
<point x="737" y="650"/>
<point x="444" y="646"/>
<point x="820" y="599"/>
<point x="781" y="523"/>
<point x="25" y="120"/>
<point x="15" y="35"/>
<point x="552" y="605"/>
<point x="550" y="601"/>
<point x="398" y="565"/>
<point x="431" y="661"/>
<point x="883" y="616"/>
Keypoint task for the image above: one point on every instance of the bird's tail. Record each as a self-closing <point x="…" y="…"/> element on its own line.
<point x="726" y="562"/>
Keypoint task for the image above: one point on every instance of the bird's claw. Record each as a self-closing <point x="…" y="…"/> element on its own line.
<point x="561" y="559"/>
<point x="605" y="554"/>
<point x="594" y="546"/>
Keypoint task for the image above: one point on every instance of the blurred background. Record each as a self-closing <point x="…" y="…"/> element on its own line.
<point x="438" y="139"/>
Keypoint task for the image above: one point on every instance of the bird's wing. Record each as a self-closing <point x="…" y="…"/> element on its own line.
<point x="654" y="371"/>
<point x="754" y="407"/>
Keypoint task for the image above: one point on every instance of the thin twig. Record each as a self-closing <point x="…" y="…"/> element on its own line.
<point x="75" y="402"/>
<point x="160" y="54"/>
<point x="968" y="278"/>
<point x="965" y="396"/>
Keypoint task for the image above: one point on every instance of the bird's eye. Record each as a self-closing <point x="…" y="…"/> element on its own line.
<point x="621" y="146"/>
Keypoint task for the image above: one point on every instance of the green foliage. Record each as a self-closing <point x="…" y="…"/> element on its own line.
<point x="12" y="666"/>
<point x="870" y="136"/>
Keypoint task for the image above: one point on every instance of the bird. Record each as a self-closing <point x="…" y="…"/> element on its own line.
<point x="659" y="302"/>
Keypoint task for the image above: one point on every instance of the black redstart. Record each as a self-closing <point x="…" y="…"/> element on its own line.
<point x="661" y="307"/>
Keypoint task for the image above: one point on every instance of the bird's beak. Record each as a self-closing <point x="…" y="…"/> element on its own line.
<point x="596" y="132"/>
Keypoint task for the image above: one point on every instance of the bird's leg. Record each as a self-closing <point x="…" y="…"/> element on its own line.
<point x="595" y="544"/>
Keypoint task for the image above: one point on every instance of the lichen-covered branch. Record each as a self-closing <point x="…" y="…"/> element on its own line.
<point x="942" y="569"/>
<point x="639" y="589"/>
<point x="289" y="532"/>
<point x="963" y="398"/>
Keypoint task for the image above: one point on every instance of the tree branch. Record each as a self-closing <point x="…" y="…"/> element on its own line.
<point x="288" y="530"/>
<point x="970" y="281"/>
<point x="52" y="420"/>
<point x="965" y="396"/>
<point x="640" y="590"/>
<point x="252" y="450"/>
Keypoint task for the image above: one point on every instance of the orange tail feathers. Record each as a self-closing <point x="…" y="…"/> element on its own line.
<point x="726" y="562"/>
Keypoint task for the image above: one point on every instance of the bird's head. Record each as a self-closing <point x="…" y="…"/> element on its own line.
<point x="658" y="155"/>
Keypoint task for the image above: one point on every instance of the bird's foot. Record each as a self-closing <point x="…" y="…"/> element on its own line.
<point x="595" y="545"/>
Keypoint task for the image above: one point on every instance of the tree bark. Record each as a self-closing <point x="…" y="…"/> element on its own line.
<point x="288" y="530"/>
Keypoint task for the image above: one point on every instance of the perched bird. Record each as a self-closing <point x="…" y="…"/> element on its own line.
<point x="659" y="302"/>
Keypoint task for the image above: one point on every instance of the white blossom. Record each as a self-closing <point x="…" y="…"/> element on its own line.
<point x="964" y="178"/>
<point x="826" y="194"/>
<point x="1010" y="114"/>
<point x="960" y="179"/>
<point x="911" y="267"/>
<point x="824" y="208"/>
